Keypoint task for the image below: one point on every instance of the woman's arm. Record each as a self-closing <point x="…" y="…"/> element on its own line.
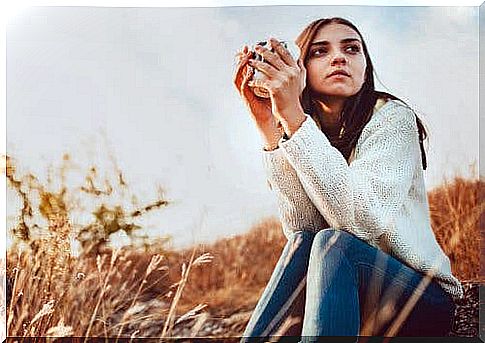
<point x="296" y="210"/>
<point x="365" y="196"/>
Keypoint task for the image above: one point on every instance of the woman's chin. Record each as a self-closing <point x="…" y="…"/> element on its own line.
<point x="339" y="93"/>
<point x="339" y="90"/>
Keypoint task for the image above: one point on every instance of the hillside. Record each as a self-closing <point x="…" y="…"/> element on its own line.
<point x="208" y="290"/>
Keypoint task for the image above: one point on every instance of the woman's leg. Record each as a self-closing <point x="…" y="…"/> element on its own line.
<point x="332" y="297"/>
<point x="354" y="288"/>
<point x="286" y="283"/>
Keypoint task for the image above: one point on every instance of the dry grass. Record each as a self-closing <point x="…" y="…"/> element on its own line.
<point x="243" y="264"/>
<point x="110" y="295"/>
<point x="102" y="292"/>
<point x="456" y="208"/>
<point x="146" y="291"/>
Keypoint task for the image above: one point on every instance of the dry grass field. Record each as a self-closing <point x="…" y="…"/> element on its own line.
<point x="150" y="291"/>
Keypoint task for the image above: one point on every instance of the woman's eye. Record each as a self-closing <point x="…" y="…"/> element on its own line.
<point x="352" y="49"/>
<point x="318" y="52"/>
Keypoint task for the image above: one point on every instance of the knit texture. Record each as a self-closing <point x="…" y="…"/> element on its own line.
<point x="378" y="195"/>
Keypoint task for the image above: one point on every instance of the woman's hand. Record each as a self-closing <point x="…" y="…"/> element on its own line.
<point x="260" y="108"/>
<point x="285" y="81"/>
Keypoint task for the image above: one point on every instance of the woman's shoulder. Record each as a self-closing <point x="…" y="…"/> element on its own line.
<point x="389" y="114"/>
<point x="379" y="103"/>
<point x="391" y="109"/>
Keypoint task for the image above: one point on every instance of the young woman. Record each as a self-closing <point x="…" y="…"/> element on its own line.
<point x="346" y="164"/>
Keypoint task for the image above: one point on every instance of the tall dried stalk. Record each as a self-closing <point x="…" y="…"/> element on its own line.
<point x="154" y="262"/>
<point x="103" y="291"/>
<point x="205" y="258"/>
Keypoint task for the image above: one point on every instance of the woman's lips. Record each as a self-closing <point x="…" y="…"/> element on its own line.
<point x="339" y="73"/>
<point x="338" y="77"/>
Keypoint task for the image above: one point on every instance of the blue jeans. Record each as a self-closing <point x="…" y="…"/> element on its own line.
<point x="351" y="289"/>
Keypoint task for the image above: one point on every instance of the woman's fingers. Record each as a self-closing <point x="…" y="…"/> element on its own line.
<point x="241" y="68"/>
<point x="263" y="67"/>
<point x="301" y="65"/>
<point x="282" y="52"/>
<point x="303" y="71"/>
<point x="242" y="53"/>
<point x="270" y="57"/>
<point x="245" y="90"/>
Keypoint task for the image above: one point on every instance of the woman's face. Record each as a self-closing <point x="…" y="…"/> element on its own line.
<point x="336" y="48"/>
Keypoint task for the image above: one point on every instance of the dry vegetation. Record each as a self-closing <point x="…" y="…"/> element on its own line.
<point x="147" y="290"/>
<point x="456" y="211"/>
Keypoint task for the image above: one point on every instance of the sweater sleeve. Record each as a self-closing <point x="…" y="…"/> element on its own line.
<point x="296" y="210"/>
<point x="365" y="196"/>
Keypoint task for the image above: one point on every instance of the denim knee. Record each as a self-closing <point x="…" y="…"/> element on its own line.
<point x="330" y="239"/>
<point x="331" y="235"/>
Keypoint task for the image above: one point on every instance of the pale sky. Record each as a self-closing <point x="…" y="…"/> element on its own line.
<point x="152" y="87"/>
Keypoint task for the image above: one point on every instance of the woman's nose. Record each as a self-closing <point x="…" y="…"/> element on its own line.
<point x="338" y="58"/>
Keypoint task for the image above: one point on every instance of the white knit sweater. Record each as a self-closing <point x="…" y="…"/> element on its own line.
<point x="379" y="195"/>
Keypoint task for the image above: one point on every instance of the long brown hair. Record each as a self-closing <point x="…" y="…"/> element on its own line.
<point x="358" y="108"/>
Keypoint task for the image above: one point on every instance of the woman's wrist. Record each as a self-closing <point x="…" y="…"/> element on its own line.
<point x="270" y="147"/>
<point x="271" y="141"/>
<point x="271" y="131"/>
<point x="292" y="121"/>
